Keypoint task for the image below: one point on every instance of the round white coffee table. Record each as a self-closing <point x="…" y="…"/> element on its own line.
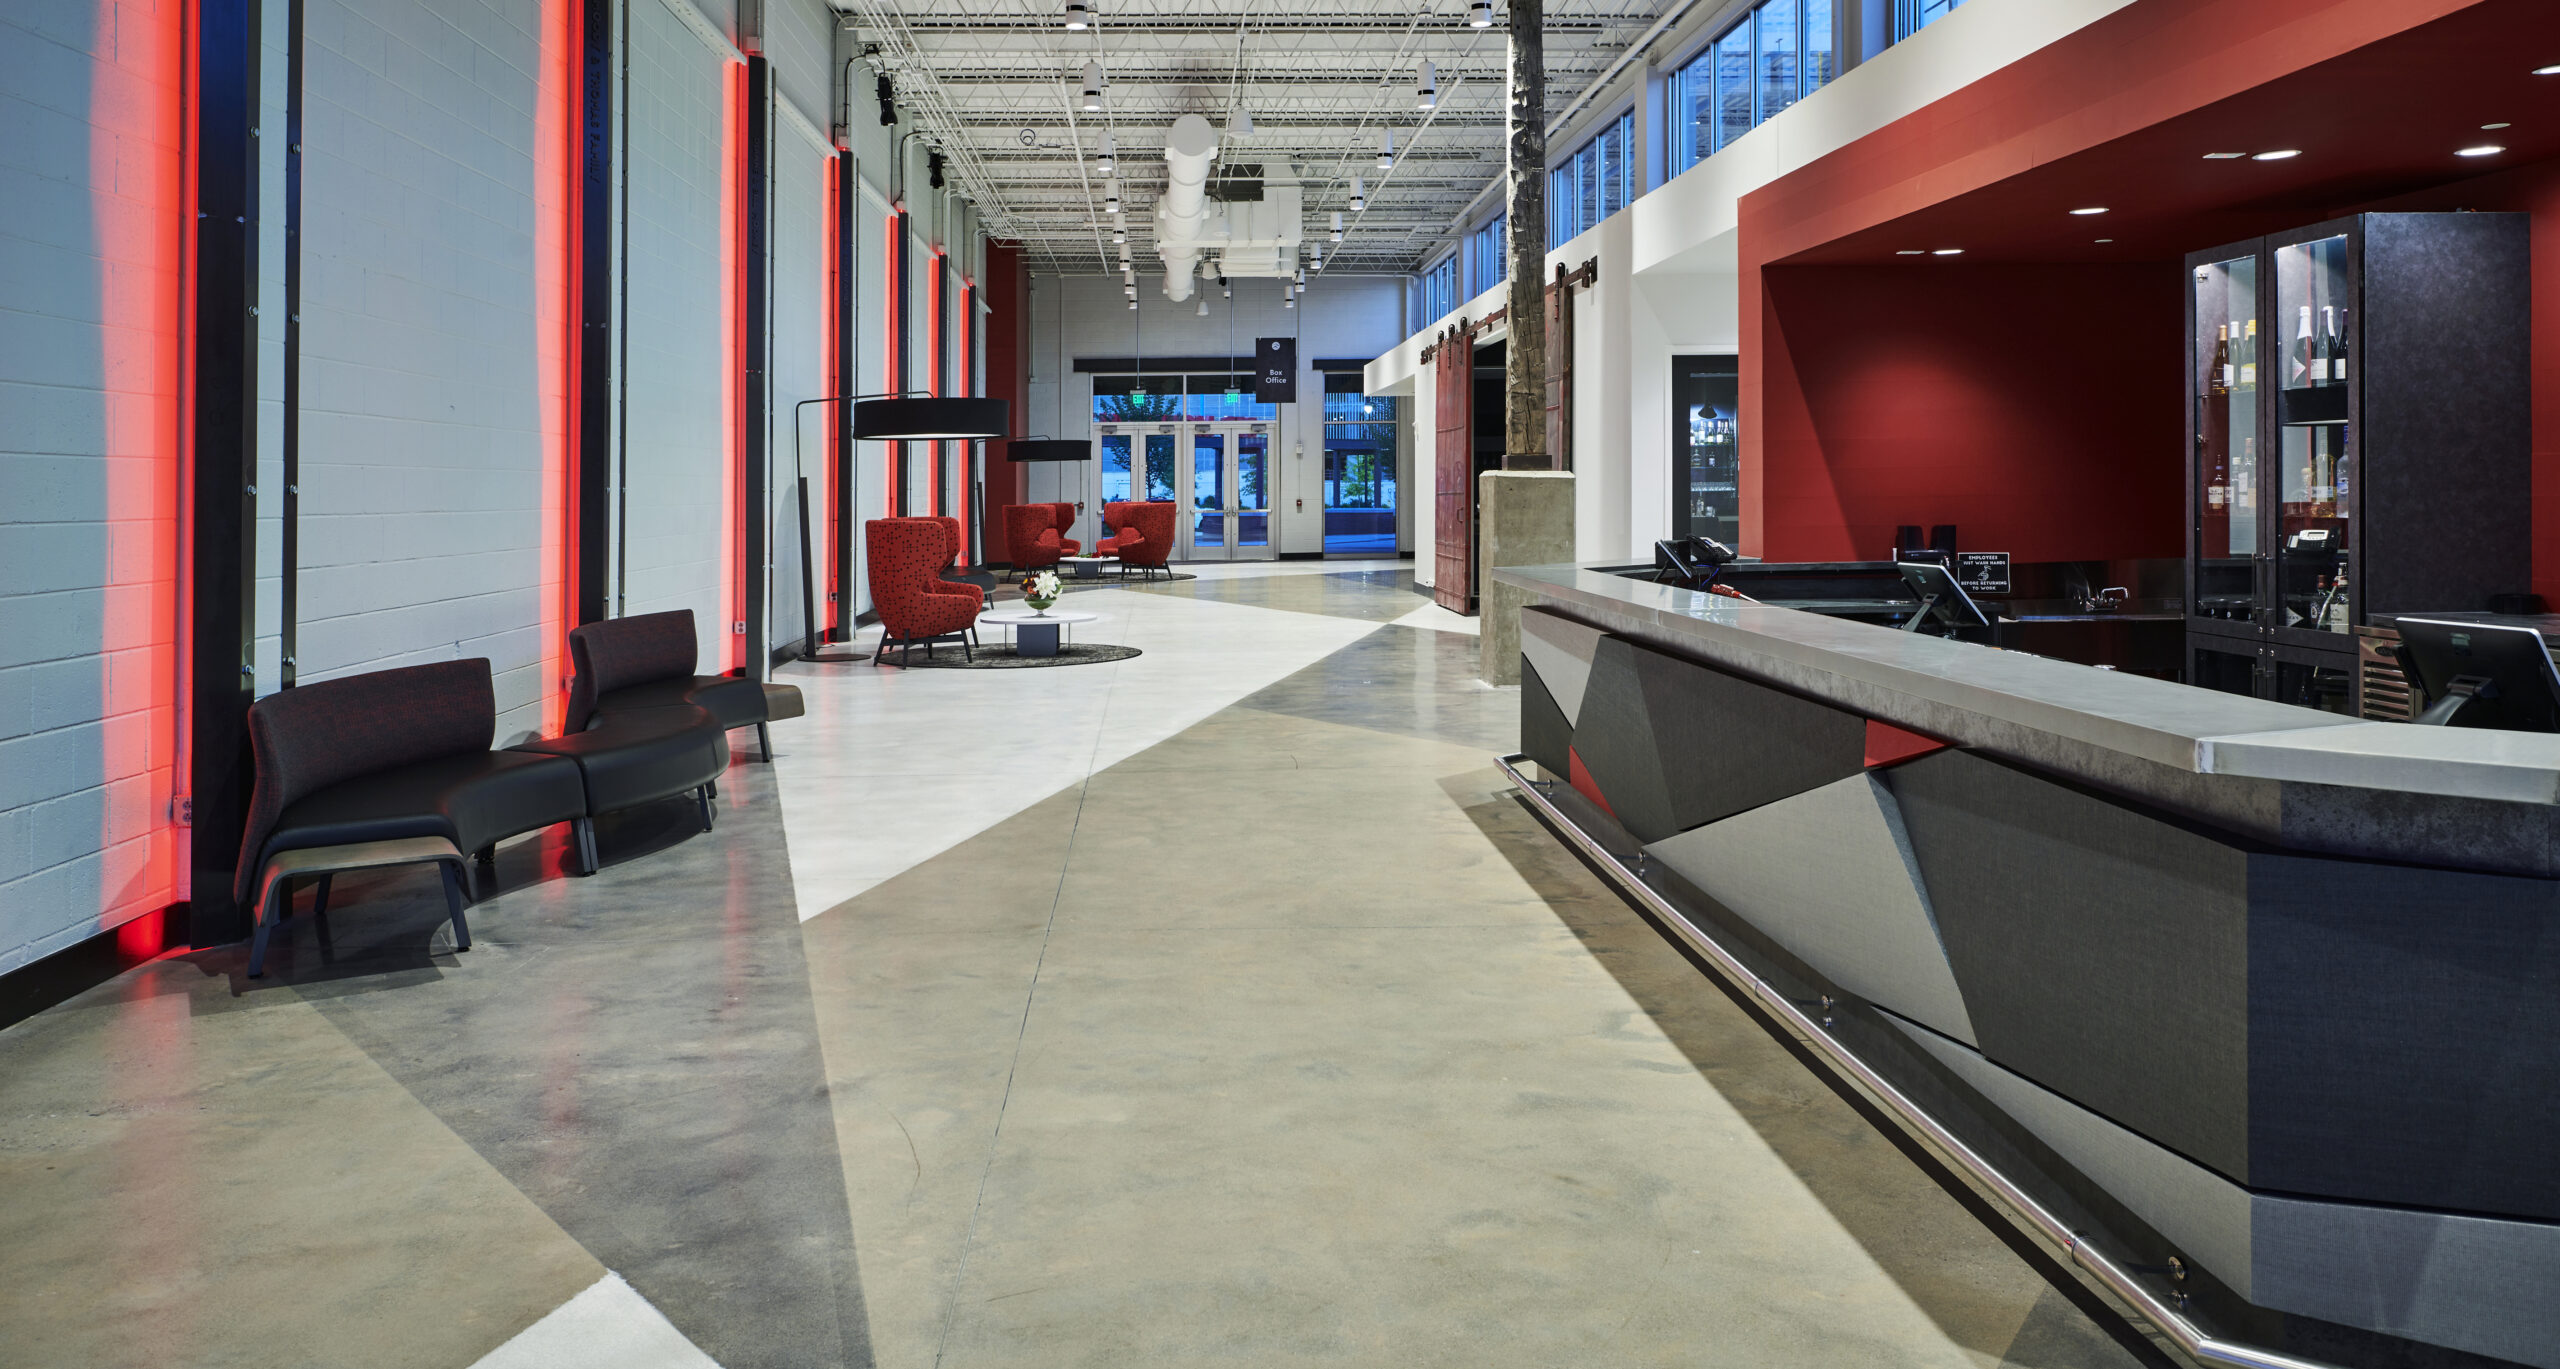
<point x="1087" y="567"/>
<point x="1035" y="634"/>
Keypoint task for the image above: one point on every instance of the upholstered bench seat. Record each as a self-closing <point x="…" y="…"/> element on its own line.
<point x="639" y="755"/>
<point x="472" y="800"/>
<point x="735" y="700"/>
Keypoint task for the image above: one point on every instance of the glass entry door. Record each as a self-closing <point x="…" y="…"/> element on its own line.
<point x="1228" y="493"/>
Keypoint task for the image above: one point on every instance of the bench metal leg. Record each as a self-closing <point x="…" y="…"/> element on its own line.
<point x="453" y="904"/>
<point x="584" y="830"/>
<point x="320" y="900"/>
<point x="702" y="799"/>
<point x="764" y="739"/>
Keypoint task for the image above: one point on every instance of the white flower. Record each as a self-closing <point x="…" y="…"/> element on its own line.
<point x="1045" y="585"/>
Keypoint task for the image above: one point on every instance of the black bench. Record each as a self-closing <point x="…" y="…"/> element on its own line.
<point x="387" y="768"/>
<point x="647" y="662"/>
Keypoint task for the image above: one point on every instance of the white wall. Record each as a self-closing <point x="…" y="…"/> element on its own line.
<point x="88" y="469"/>
<point x="1087" y="316"/>
<point x="803" y="162"/>
<point x="673" y="496"/>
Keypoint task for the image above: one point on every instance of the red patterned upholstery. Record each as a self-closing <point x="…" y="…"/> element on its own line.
<point x="951" y="526"/>
<point x="1066" y="523"/>
<point x="1031" y="536"/>
<point x="976" y="596"/>
<point x="906" y="557"/>
<point x="1145" y="532"/>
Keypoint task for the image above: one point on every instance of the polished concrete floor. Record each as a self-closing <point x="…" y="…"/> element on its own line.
<point x="1218" y="1006"/>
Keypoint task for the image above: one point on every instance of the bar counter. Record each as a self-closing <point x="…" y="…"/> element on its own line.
<point x="2264" y="1000"/>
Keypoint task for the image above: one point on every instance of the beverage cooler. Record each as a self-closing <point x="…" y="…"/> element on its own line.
<point x="2360" y="421"/>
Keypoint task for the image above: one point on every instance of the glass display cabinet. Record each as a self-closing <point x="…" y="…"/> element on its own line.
<point x="2339" y="470"/>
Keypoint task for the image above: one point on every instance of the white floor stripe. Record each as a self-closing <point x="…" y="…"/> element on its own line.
<point x="610" y="1326"/>
<point x="1439" y="619"/>
<point x="893" y="767"/>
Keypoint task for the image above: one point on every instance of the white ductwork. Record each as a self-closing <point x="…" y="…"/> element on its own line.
<point x="1249" y="237"/>
<point x="1190" y="147"/>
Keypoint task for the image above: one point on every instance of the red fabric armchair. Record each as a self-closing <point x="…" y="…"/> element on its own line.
<point x="1031" y="536"/>
<point x="1144" y="534"/>
<point x="916" y="605"/>
<point x="1065" y="522"/>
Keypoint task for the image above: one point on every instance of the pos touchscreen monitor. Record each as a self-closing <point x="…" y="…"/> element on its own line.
<point x="1935" y="586"/>
<point x="2481" y="675"/>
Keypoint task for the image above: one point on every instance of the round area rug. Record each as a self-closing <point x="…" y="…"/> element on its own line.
<point x="999" y="656"/>
<point x="1010" y="589"/>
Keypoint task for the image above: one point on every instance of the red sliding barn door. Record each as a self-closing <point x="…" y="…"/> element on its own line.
<point x="1453" y="458"/>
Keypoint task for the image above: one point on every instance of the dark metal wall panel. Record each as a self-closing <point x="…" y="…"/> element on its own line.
<point x="592" y="261"/>
<point x="222" y="541"/>
<point x="2102" y="952"/>
<point x="755" y="400"/>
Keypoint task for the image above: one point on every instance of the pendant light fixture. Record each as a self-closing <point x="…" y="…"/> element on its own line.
<point x="1111" y="197"/>
<point x="1120" y="235"/>
<point x="1479" y="15"/>
<point x="1426" y="92"/>
<point x="1387" y="150"/>
<point x="1109" y="161"/>
<point x="1204" y="306"/>
<point x="1080" y="18"/>
<point x="1337" y="225"/>
<point x="1359" y="196"/>
<point x="1093" y="87"/>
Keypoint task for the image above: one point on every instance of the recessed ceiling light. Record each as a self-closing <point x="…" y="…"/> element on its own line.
<point x="1948" y="252"/>
<point x="2106" y="240"/>
<point x="2486" y="128"/>
<point x="2483" y="150"/>
<point x="1913" y="252"/>
<point x="2281" y="154"/>
<point x="2224" y="156"/>
<point x="2084" y="213"/>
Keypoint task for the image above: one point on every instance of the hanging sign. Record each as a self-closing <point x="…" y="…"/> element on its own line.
<point x="1275" y="370"/>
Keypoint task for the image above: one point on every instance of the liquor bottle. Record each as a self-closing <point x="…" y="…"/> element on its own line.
<point x="2249" y="356"/>
<point x="2218" y="374"/>
<point x="2338" y="353"/>
<point x="2297" y="371"/>
<point x="2324" y="347"/>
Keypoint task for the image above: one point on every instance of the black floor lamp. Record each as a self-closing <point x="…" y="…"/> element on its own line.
<point x="890" y="416"/>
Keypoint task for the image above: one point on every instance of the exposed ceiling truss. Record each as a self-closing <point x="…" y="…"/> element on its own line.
<point x="995" y="85"/>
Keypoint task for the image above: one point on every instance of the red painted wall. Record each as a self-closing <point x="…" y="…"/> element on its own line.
<point x="1008" y="295"/>
<point x="2035" y="407"/>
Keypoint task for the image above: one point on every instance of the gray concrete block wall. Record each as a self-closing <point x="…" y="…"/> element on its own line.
<point x="675" y="435"/>
<point x="421" y="445"/>
<point x="89" y="253"/>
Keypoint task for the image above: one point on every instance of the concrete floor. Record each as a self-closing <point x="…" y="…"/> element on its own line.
<point x="1217" y="1006"/>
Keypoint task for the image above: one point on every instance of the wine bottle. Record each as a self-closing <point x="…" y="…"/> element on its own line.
<point x="2324" y="347"/>
<point x="2218" y="374"/>
<point x="2249" y="356"/>
<point x="2298" y="365"/>
<point x="2338" y="353"/>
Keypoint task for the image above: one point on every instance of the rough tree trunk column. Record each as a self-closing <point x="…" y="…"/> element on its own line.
<point x="1524" y="373"/>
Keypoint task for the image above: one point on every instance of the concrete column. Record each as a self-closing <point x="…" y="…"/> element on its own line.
<point x="1523" y="518"/>
<point x="1524" y="372"/>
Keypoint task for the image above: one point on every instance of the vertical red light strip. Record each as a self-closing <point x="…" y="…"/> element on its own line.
<point x="733" y="351"/>
<point x="182" y="437"/>
<point x="832" y="577"/>
<point x="142" y="197"/>
<point x="893" y="376"/>
<point x="933" y="373"/>
<point x="968" y="386"/>
<point x="558" y="186"/>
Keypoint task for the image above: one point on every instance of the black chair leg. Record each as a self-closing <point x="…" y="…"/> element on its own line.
<point x="258" y="943"/>
<point x="764" y="739"/>
<point x="702" y="798"/>
<point x="453" y="904"/>
<point x="320" y="899"/>
<point x="584" y="829"/>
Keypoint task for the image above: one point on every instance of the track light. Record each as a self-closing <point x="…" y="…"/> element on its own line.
<point x="1479" y="15"/>
<point x="1080" y="18"/>
<point x="1359" y="196"/>
<point x="1387" y="151"/>
<point x="1109" y="161"/>
<point x="888" y="101"/>
<point x="933" y="170"/>
<point x="1093" y="87"/>
<point x="1426" y="92"/>
<point x="1225" y="291"/>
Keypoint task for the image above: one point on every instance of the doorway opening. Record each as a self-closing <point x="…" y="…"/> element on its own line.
<point x="1361" y="491"/>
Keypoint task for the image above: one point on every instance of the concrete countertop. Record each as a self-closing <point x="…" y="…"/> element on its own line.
<point x="1937" y="682"/>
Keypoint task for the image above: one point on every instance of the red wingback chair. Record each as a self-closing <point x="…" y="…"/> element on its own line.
<point x="952" y="527"/>
<point x="916" y="604"/>
<point x="1144" y="534"/>
<point x="1066" y="523"/>
<point x="1031" y="536"/>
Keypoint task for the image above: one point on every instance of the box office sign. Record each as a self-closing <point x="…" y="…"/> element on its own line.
<point x="1275" y="370"/>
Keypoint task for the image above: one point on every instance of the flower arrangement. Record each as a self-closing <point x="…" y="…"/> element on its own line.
<point x="1040" y="589"/>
